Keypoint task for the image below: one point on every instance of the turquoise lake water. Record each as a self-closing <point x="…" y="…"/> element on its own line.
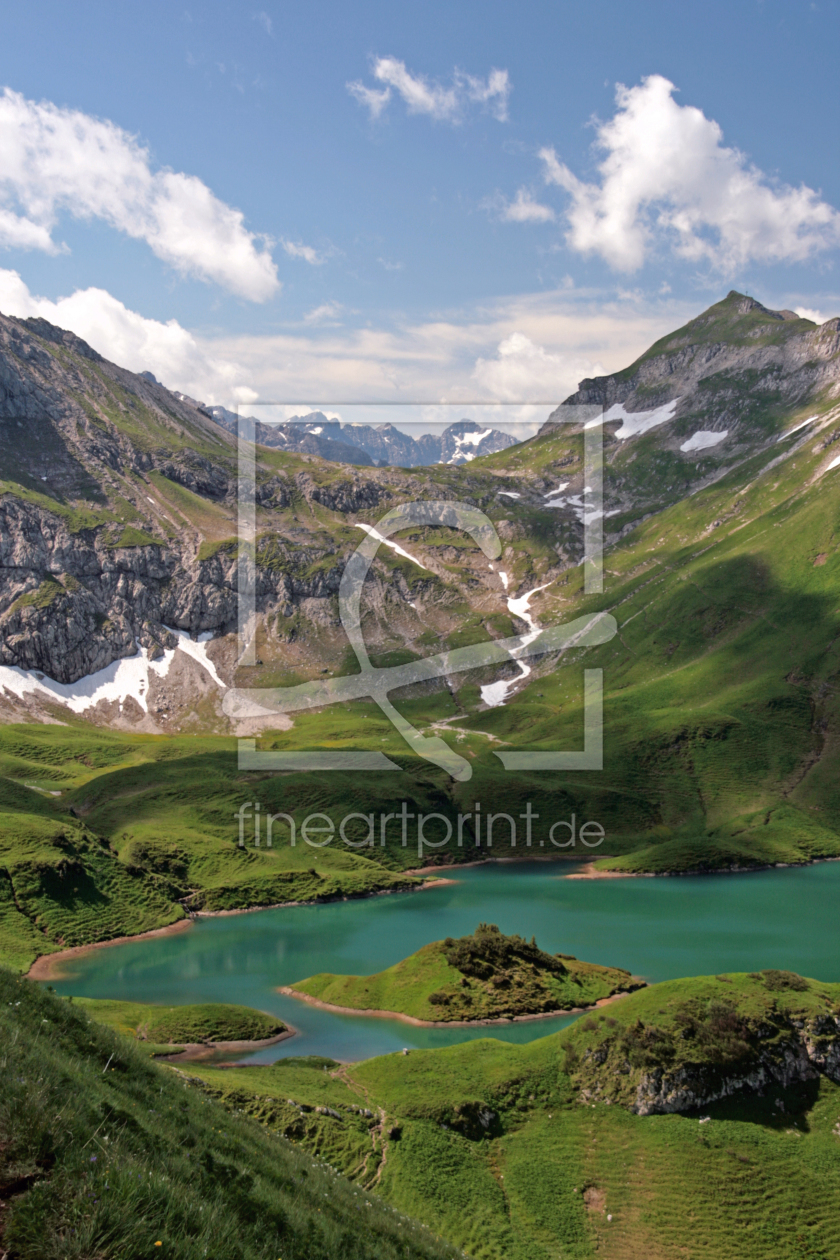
<point x="657" y="928"/>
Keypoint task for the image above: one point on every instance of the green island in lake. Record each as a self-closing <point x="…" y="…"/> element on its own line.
<point x="486" y="976"/>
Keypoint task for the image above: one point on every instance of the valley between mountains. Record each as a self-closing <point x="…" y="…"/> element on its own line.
<point x="693" y="1116"/>
<point x="120" y="564"/>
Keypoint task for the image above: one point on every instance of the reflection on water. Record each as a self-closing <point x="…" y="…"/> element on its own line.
<point x="657" y="928"/>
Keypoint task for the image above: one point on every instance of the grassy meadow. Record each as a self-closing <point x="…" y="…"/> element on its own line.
<point x="494" y="1146"/>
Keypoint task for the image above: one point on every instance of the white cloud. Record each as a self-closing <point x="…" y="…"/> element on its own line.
<point x="373" y="99"/>
<point x="328" y="312"/>
<point x="391" y="266"/>
<point x="425" y="96"/>
<point x="169" y="351"/>
<point x="264" y="21"/>
<point x="296" y="249"/>
<point x="523" y="209"/>
<point x="523" y="372"/>
<point x="535" y="346"/>
<point x="54" y="159"/>
<point x="807" y="312"/>
<point x="666" y="175"/>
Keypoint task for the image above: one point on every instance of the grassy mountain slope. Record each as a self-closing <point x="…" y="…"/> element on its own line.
<point x="504" y="1150"/>
<point x="102" y="1153"/>
<point x="484" y="976"/>
<point x="720" y="712"/>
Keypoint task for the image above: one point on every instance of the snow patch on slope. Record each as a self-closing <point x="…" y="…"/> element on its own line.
<point x="374" y="533"/>
<point x="494" y="694"/>
<point x="634" y="422"/>
<point x="796" y="428"/>
<point x="121" y="680"/>
<point x="703" y="439"/>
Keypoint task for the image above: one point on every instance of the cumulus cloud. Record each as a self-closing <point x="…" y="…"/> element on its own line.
<point x="55" y="160"/>
<point x="807" y="312"/>
<point x="522" y="371"/>
<point x="426" y="96"/>
<point x="666" y="175"/>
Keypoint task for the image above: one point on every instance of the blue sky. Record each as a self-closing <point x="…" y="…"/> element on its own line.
<point x="443" y="200"/>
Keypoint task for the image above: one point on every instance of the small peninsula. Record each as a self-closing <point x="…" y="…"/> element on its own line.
<point x="484" y="977"/>
<point x="193" y="1031"/>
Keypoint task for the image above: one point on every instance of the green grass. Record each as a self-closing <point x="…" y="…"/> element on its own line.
<point x="77" y="518"/>
<point x="103" y="1153"/>
<point x="495" y="1146"/>
<point x="130" y="536"/>
<point x="47" y="593"/>
<point x="144" y="826"/>
<point x="166" y="1025"/>
<point x="484" y="976"/>
<point x="207" y="550"/>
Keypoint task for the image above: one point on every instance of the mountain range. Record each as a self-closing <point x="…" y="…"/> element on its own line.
<point x="120" y="566"/>
<point x="381" y="445"/>
<point x="118" y="517"/>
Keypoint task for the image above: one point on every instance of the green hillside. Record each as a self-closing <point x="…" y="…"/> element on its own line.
<point x="720" y="714"/>
<point x="526" y="1152"/>
<point x="190" y="1024"/>
<point x="103" y="1153"/>
<point x="484" y="976"/>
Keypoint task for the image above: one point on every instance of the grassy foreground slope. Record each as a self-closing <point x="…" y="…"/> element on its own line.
<point x="484" y="976"/>
<point x="504" y="1150"/>
<point x="102" y="1154"/>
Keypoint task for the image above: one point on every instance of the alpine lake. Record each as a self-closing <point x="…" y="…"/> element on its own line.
<point x="659" y="928"/>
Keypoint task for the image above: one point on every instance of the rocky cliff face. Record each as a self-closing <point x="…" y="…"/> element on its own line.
<point x="687" y="1043"/>
<point x="118" y="526"/>
<point x="803" y="1051"/>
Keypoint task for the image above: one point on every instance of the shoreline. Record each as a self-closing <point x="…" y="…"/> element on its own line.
<point x="323" y="901"/>
<point x="589" y="871"/>
<point x="486" y="861"/>
<point x="49" y="966"/>
<point x="489" y="1022"/>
